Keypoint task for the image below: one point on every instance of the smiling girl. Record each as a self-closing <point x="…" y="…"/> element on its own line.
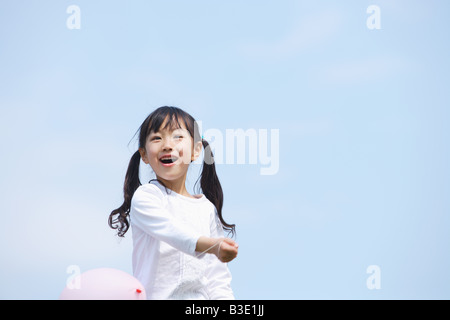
<point x="179" y="250"/>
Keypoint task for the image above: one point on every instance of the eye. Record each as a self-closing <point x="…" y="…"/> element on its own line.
<point x="155" y="138"/>
<point x="179" y="137"/>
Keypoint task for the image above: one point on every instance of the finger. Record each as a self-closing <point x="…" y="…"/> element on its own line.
<point x="231" y="242"/>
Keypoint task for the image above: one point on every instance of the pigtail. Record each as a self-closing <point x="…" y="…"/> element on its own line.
<point x="210" y="185"/>
<point x="131" y="184"/>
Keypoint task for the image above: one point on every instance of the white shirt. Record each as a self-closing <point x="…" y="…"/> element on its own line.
<point x="165" y="227"/>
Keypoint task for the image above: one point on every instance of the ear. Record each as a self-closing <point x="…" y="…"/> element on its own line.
<point x="197" y="151"/>
<point x="143" y="155"/>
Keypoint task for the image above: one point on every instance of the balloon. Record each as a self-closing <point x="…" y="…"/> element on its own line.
<point x="104" y="284"/>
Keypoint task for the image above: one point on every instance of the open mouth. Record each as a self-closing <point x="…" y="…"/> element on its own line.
<point x="167" y="160"/>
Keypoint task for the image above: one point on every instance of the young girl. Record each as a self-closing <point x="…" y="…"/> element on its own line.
<point x="179" y="251"/>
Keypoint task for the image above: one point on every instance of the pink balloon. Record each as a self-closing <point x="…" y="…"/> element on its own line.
<point x="104" y="284"/>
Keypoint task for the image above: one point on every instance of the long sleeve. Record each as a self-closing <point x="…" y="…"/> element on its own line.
<point x="218" y="274"/>
<point x="147" y="212"/>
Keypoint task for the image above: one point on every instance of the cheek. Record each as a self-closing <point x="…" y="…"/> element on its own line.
<point x="185" y="150"/>
<point x="186" y="146"/>
<point x="152" y="152"/>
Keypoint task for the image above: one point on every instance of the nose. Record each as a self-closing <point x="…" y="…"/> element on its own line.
<point x="167" y="146"/>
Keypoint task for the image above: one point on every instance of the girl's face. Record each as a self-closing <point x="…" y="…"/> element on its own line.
<point x="169" y="153"/>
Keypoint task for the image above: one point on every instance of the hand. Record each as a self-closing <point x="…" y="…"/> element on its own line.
<point x="224" y="248"/>
<point x="227" y="250"/>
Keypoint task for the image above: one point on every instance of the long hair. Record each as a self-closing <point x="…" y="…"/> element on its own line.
<point x="209" y="181"/>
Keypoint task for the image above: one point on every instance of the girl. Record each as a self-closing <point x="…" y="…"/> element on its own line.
<point x="179" y="251"/>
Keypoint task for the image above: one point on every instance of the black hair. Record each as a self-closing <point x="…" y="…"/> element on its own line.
<point x="209" y="181"/>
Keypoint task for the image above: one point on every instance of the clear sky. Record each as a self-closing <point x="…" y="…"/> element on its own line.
<point x="362" y="115"/>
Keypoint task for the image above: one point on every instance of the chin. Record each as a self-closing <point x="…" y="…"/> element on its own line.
<point x="168" y="177"/>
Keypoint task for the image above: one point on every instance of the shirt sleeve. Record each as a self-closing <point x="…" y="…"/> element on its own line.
<point x="218" y="274"/>
<point x="147" y="212"/>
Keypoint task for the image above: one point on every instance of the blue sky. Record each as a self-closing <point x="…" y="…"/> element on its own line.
<point x="362" y="116"/>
